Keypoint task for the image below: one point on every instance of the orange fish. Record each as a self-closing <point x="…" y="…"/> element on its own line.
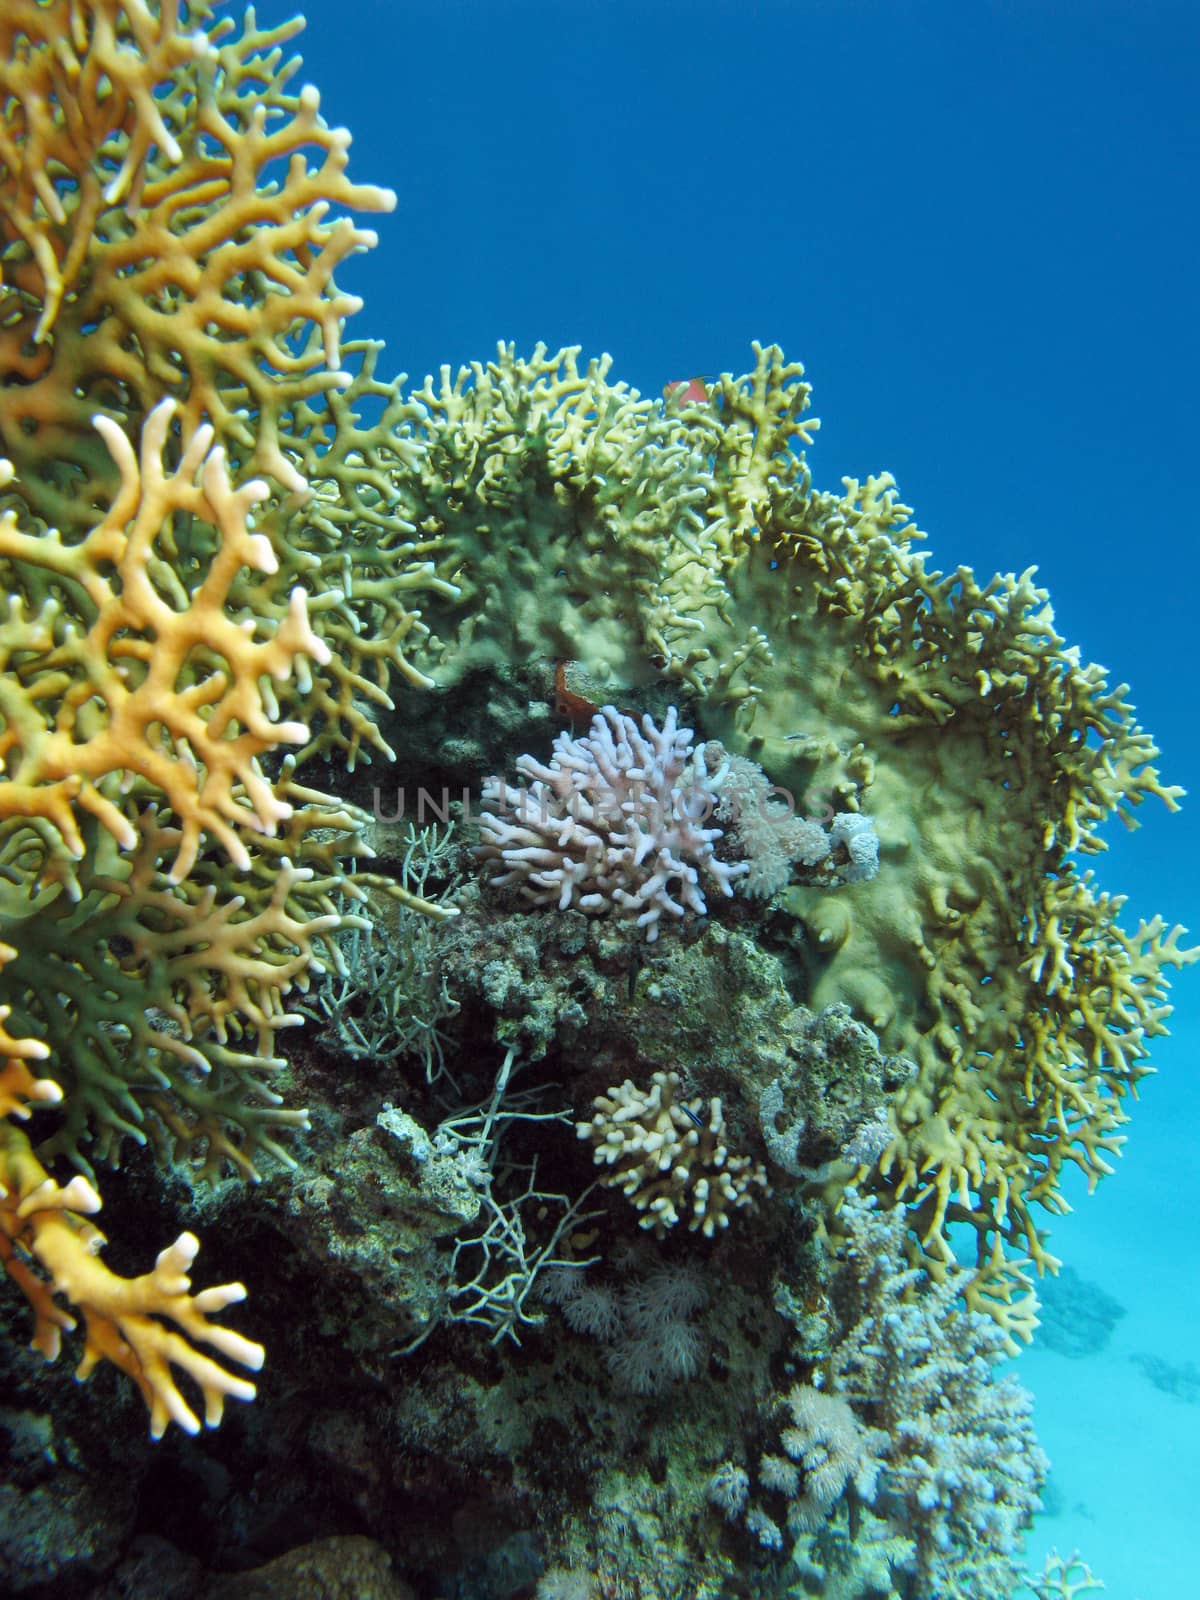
<point x="685" y="392"/>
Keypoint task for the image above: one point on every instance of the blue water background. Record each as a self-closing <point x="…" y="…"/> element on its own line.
<point x="977" y="226"/>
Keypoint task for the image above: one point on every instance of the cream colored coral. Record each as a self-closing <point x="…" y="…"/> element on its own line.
<point x="833" y="1447"/>
<point x="1064" y="1578"/>
<point x="664" y="1156"/>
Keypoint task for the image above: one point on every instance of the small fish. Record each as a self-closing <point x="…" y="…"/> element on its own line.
<point x="685" y="392"/>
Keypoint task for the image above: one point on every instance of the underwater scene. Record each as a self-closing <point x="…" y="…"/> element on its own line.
<point x="597" y="696"/>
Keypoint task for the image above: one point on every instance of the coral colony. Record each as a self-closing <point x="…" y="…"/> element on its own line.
<point x="729" y="1062"/>
<point x="612" y="824"/>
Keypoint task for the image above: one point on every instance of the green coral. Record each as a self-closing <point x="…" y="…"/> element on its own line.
<point x="570" y="513"/>
<point x="809" y="634"/>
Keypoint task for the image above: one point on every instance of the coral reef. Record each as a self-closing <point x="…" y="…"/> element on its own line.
<point x="789" y="922"/>
<point x="819" y="643"/>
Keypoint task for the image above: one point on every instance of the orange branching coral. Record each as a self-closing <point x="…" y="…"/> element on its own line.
<point x="42" y="1227"/>
<point x="18" y="1087"/>
<point x="172" y="211"/>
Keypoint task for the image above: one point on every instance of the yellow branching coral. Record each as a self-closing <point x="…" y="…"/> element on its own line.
<point x="569" y="513"/>
<point x="164" y="998"/>
<point x="953" y="712"/>
<point x="161" y="685"/>
<point x="17" y="1086"/>
<point x="172" y="211"/>
<point x="761" y="416"/>
<point x="69" y="112"/>
<point x="353" y="544"/>
<point x="43" y="1226"/>
<point x="168" y="230"/>
<point x="146" y="249"/>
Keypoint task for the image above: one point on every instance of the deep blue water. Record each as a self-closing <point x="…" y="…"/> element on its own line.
<point x="976" y="225"/>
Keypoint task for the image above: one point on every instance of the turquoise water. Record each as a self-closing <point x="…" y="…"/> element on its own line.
<point x="1119" y="1424"/>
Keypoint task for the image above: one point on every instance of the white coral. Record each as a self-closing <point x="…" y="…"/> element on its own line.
<point x="909" y="1422"/>
<point x="833" y="1448"/>
<point x="614" y="824"/>
<point x="775" y="841"/>
<point x="957" y="1455"/>
<point x="651" y="1343"/>
<point x="728" y="1490"/>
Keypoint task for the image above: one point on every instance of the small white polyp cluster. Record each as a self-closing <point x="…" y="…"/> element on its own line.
<point x="664" y="1155"/>
<point x="614" y="824"/>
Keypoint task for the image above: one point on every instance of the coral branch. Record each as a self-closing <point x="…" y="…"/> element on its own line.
<point x="43" y="1222"/>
